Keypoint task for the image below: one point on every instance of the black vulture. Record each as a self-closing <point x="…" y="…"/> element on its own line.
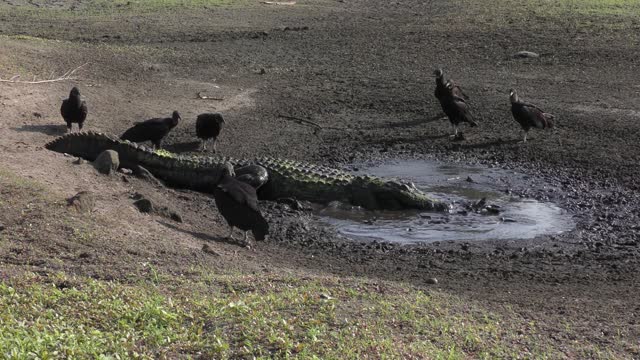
<point x="528" y="115"/>
<point x="153" y="130"/>
<point x="74" y="109"/>
<point x="238" y="204"/>
<point x="445" y="87"/>
<point x="208" y="127"/>
<point x="457" y="110"/>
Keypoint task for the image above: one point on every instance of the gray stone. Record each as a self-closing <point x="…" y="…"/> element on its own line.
<point x="79" y="161"/>
<point x="107" y="162"/>
<point x="175" y="217"/>
<point x="84" y="201"/>
<point x="145" y="174"/>
<point x="144" y="205"/>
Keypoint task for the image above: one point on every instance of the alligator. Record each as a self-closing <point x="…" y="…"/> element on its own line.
<point x="286" y="178"/>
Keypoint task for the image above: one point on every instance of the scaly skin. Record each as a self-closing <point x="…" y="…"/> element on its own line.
<point x="287" y="178"/>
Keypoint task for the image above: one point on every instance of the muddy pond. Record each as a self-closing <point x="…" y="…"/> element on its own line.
<point x="515" y="218"/>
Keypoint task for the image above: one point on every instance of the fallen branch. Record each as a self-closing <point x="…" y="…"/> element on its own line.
<point x="64" y="77"/>
<point x="279" y="2"/>
<point x="317" y="126"/>
<point x="205" y="97"/>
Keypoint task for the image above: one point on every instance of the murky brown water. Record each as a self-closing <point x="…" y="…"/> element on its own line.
<point x="518" y="219"/>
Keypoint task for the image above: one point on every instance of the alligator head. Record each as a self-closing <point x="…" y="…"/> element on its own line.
<point x="376" y="193"/>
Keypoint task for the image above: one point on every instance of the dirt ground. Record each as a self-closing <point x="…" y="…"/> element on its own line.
<point x="365" y="66"/>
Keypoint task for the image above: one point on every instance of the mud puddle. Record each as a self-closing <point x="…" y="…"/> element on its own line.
<point x="518" y="218"/>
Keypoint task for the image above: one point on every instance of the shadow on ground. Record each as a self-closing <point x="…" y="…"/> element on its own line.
<point x="53" y="130"/>
<point x="205" y="237"/>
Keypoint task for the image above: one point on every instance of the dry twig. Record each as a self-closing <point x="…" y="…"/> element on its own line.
<point x="279" y="2"/>
<point x="317" y="127"/>
<point x="66" y="76"/>
<point x="205" y="97"/>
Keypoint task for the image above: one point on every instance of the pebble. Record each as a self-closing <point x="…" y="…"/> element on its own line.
<point x="432" y="281"/>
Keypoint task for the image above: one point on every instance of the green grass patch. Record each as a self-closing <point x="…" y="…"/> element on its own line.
<point x="111" y="8"/>
<point x="539" y="14"/>
<point x="240" y="316"/>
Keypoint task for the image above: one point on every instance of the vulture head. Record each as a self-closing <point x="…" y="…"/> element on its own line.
<point x="176" y="118"/>
<point x="513" y="96"/>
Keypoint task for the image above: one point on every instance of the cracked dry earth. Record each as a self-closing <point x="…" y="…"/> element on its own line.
<point x="364" y="67"/>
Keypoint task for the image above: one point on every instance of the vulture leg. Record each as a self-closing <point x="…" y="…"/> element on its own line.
<point x="455" y="131"/>
<point x="230" y="236"/>
<point x="245" y="236"/>
<point x="203" y="145"/>
<point x="214" y="145"/>
<point x="80" y="126"/>
<point x="69" y="129"/>
<point x="524" y="140"/>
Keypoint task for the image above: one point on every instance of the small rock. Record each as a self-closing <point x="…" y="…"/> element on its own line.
<point x="125" y="179"/>
<point x="175" y="217"/>
<point x="492" y="210"/>
<point x="431" y="281"/>
<point x="469" y="179"/>
<point x="126" y="171"/>
<point x="145" y="174"/>
<point x="525" y="54"/>
<point x="2" y="227"/>
<point x="507" y="220"/>
<point x="207" y="249"/>
<point x="79" y="161"/>
<point x="325" y="296"/>
<point x="107" y="162"/>
<point x="37" y="115"/>
<point x="84" y="255"/>
<point x="84" y="201"/>
<point x="144" y="205"/>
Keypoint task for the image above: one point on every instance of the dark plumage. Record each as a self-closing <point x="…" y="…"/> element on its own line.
<point x="238" y="204"/>
<point x="528" y="115"/>
<point x="153" y="130"/>
<point x="457" y="110"/>
<point x="208" y="127"/>
<point x="74" y="109"/>
<point x="447" y="87"/>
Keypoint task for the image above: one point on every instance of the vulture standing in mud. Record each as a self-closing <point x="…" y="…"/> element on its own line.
<point x="238" y="204"/>
<point x="74" y="109"/>
<point x="528" y="115"/>
<point x="208" y="127"/>
<point x="458" y="112"/>
<point x="452" y="100"/>
<point x="153" y="130"/>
